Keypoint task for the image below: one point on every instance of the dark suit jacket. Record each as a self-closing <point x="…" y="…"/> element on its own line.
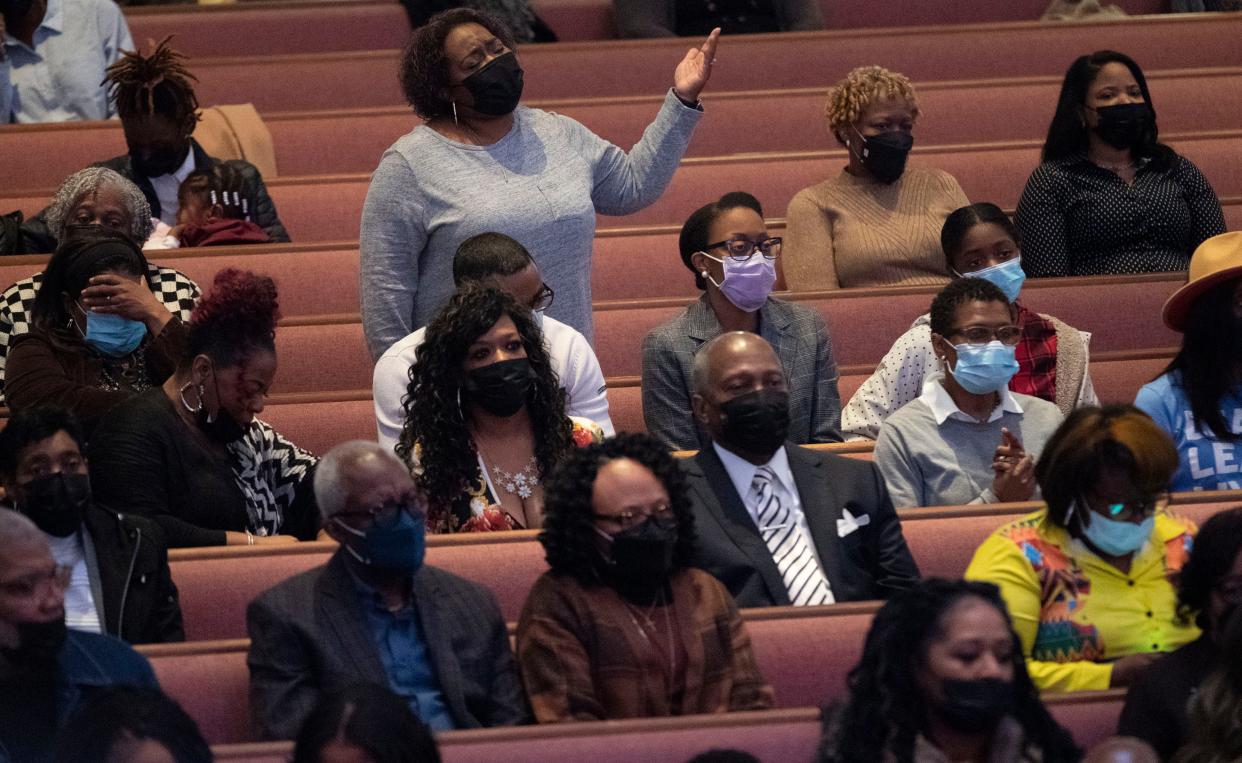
<point x="309" y="635"/>
<point x="871" y="562"/>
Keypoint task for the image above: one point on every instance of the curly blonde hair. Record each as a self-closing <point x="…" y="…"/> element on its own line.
<point x="850" y="97"/>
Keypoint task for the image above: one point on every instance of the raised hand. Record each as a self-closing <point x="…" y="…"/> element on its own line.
<point x="132" y="299"/>
<point x="1014" y="481"/>
<point x="695" y="69"/>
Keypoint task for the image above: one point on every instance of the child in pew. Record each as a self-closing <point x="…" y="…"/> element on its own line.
<point x="214" y="210"/>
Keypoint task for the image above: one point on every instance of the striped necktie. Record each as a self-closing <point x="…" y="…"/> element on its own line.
<point x="803" y="578"/>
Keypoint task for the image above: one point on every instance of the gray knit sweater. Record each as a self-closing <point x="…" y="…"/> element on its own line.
<point x="951" y="464"/>
<point x="542" y="184"/>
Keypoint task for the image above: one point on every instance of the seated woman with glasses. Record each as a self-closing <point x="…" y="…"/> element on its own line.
<point x="727" y="247"/>
<point x="1087" y="579"/>
<point x="621" y="626"/>
<point x="485" y="419"/>
<point x="967" y="438"/>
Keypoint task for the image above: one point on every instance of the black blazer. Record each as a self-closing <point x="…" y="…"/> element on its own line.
<point x="871" y="562"/>
<point x="309" y="635"/>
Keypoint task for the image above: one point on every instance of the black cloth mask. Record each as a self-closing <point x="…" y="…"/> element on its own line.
<point x="56" y="502"/>
<point x="221" y="426"/>
<point x="973" y="707"/>
<point x="501" y="388"/>
<point x="885" y="155"/>
<point x="497" y="87"/>
<point x="641" y="558"/>
<point x="756" y="422"/>
<point x="39" y="645"/>
<point x="1123" y="125"/>
<point x="152" y="164"/>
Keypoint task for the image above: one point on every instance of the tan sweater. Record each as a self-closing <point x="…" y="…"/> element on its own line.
<point x="848" y="231"/>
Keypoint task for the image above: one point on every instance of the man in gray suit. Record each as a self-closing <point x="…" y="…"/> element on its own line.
<point x="780" y="524"/>
<point x="727" y="247"/>
<point x="376" y="614"/>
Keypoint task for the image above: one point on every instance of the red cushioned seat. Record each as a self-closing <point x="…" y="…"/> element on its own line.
<point x="211" y="683"/>
<point x="321" y="358"/>
<point x="806" y="657"/>
<point x="317" y="426"/>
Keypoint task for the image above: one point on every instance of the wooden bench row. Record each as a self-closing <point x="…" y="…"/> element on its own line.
<point x="326" y="80"/>
<point x="312" y="143"/>
<point x="942" y="541"/>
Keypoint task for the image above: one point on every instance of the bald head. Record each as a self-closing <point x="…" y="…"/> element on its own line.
<point x="729" y="351"/>
<point x="17" y="530"/>
<point x="351" y="470"/>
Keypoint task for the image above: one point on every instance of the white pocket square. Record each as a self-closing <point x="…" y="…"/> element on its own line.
<point x="849" y="523"/>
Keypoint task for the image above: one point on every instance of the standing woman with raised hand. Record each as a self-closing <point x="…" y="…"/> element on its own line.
<point x="1109" y="197"/>
<point x="482" y="163"/>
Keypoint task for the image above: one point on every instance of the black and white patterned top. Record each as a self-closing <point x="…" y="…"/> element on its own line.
<point x="1078" y="219"/>
<point x="172" y="287"/>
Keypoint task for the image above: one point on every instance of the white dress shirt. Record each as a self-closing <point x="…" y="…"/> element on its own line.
<point x="568" y="350"/>
<point x="937" y="398"/>
<point x="742" y="474"/>
<point x="167" y="186"/>
<point x="81" y="612"/>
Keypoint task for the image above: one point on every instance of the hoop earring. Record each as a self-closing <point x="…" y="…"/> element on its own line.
<point x="186" y="405"/>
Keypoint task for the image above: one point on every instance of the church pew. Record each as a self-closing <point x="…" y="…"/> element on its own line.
<point x="804" y="655"/>
<point x="302" y="27"/>
<point x="942" y="541"/>
<point x="328" y="207"/>
<point x="644" y="67"/>
<point x="773" y="736"/>
<point x="340" y="141"/>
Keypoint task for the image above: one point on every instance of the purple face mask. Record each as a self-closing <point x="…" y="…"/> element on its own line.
<point x="747" y="283"/>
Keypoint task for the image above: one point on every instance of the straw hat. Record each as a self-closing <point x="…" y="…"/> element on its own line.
<point x="1217" y="260"/>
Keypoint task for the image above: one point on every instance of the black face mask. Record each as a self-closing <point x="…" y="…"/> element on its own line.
<point x="155" y="163"/>
<point x="40" y="645"/>
<point x="756" y="422"/>
<point x="973" y="707"/>
<point x="501" y="388"/>
<point x="56" y="503"/>
<point x="885" y="155"/>
<point x="641" y="558"/>
<point x="497" y="87"/>
<point x="13" y="10"/>
<point x="1123" y="125"/>
<point x="221" y="426"/>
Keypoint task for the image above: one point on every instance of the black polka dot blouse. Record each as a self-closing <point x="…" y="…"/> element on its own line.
<point x="1078" y="219"/>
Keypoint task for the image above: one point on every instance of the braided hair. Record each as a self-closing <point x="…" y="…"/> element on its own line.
<point x="221" y="184"/>
<point x="158" y="83"/>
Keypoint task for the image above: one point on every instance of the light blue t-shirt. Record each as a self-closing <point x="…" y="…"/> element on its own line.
<point x="59" y="78"/>
<point x="1206" y="463"/>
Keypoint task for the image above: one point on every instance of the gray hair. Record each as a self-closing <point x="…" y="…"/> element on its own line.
<point x="332" y="483"/>
<point x="17" y="528"/>
<point x="90" y="181"/>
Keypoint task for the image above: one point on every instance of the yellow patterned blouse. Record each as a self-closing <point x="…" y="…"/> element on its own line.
<point x="1074" y="612"/>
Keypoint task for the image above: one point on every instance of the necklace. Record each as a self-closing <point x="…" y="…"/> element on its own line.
<point x="631" y="610"/>
<point x="518" y="483"/>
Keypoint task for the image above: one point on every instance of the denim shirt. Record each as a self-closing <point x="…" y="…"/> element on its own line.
<point x="405" y="657"/>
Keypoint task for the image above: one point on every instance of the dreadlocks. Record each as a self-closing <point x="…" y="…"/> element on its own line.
<point x="157" y="84"/>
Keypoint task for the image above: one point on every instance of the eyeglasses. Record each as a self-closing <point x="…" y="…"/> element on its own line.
<point x="543" y="300"/>
<point x="28" y="585"/>
<point x="661" y="513"/>
<point x="1142" y="508"/>
<point x="380" y="515"/>
<point x="740" y="248"/>
<point x="1006" y="335"/>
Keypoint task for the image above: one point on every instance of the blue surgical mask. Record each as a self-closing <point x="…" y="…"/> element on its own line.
<point x="1117" y="538"/>
<point x="984" y="368"/>
<point x="113" y="335"/>
<point x="1007" y="276"/>
<point x="747" y="283"/>
<point x="399" y="545"/>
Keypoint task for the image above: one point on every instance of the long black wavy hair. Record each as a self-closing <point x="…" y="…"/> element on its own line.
<point x="1217" y="545"/>
<point x="568" y="535"/>
<point x="887" y="709"/>
<point x="1205" y="363"/>
<point x="1068" y="135"/>
<point x="434" y="415"/>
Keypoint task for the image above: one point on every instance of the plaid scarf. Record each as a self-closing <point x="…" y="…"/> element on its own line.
<point x="1037" y="357"/>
